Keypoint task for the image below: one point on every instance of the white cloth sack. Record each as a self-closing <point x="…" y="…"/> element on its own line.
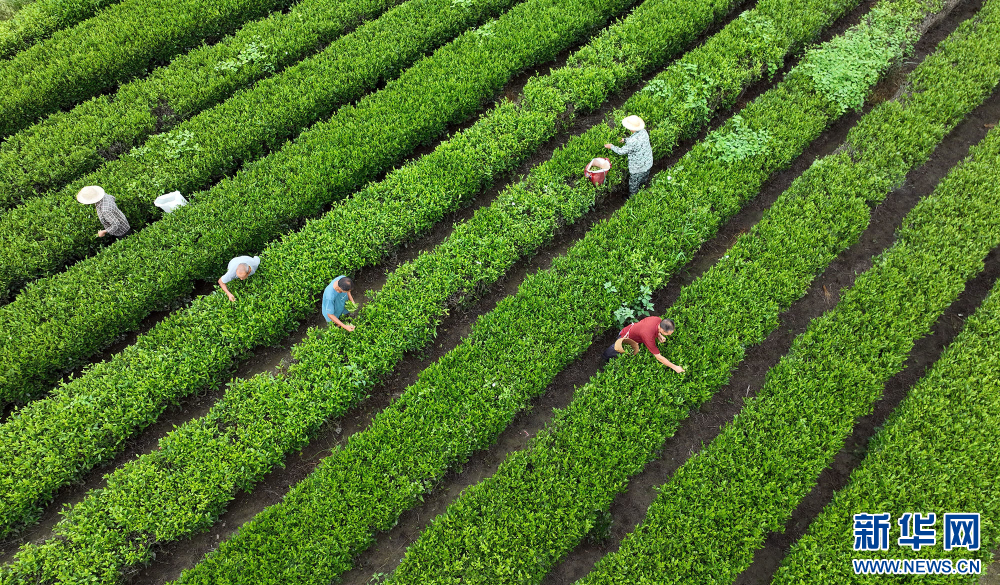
<point x="170" y="201"/>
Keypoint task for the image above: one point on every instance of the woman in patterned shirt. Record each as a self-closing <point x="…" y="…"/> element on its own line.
<point x="111" y="217"/>
<point x="639" y="151"/>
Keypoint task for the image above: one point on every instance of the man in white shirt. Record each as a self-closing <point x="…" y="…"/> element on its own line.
<point x="239" y="267"/>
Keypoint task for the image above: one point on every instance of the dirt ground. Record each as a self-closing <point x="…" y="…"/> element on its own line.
<point x="630" y="507"/>
<point x="703" y="425"/>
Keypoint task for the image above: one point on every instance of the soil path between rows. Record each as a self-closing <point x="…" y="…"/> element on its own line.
<point x="263" y="359"/>
<point x="630" y="507"/>
<point x="382" y="557"/>
<point x="175" y="557"/>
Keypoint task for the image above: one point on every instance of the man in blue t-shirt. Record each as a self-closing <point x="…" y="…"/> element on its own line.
<point x="335" y="298"/>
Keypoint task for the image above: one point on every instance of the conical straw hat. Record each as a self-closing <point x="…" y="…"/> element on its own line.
<point x="91" y="194"/>
<point x="633" y="123"/>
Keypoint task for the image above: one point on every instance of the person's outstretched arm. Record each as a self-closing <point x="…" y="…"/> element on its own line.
<point x="659" y="357"/>
<point x="226" y="290"/>
<point x="624" y="151"/>
<point x="345" y="326"/>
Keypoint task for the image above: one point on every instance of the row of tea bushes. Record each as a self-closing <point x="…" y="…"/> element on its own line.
<point x="124" y="41"/>
<point x="38" y="19"/>
<point x="66" y="145"/>
<point x="937" y="453"/>
<point x="61" y="320"/>
<point x="95" y="413"/>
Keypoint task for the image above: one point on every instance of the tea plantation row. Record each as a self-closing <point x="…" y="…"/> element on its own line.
<point x="187" y="354"/>
<point x="67" y="145"/>
<point x="100" y="298"/>
<point x="930" y="456"/>
<point x="553" y="493"/>
<point x="39" y="19"/>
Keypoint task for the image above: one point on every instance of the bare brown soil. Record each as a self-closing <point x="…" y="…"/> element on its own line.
<point x="390" y="547"/>
<point x="992" y="575"/>
<point x="630" y="507"/>
<point x="264" y="359"/>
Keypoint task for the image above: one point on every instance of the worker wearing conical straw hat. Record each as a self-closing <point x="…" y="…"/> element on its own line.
<point x="639" y="151"/>
<point x="112" y="219"/>
<point x="648" y="332"/>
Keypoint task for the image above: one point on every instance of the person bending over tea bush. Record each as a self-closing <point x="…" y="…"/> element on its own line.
<point x="335" y="298"/>
<point x="112" y="219"/>
<point x="239" y="267"/>
<point x="649" y="331"/>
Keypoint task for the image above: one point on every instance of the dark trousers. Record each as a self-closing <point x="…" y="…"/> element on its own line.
<point x="609" y="353"/>
<point x="636" y="180"/>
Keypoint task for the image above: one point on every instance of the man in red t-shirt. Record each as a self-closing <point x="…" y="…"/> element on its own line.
<point x="647" y="332"/>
